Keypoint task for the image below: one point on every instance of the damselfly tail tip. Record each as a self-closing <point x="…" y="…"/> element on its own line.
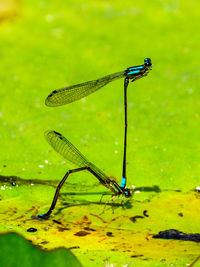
<point x="43" y="217"/>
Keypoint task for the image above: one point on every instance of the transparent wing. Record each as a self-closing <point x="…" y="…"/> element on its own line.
<point x="65" y="148"/>
<point x="75" y="92"/>
<point x="69" y="152"/>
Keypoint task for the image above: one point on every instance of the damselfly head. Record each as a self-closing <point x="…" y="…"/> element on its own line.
<point x="147" y="62"/>
<point x="127" y="192"/>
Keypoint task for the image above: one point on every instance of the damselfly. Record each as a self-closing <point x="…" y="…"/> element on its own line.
<point x="72" y="93"/>
<point x="75" y="92"/>
<point x="71" y="153"/>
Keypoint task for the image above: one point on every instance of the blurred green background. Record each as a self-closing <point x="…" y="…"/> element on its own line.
<point x="52" y="44"/>
<point x="46" y="45"/>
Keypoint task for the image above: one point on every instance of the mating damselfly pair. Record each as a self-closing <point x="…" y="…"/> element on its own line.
<point x="67" y="150"/>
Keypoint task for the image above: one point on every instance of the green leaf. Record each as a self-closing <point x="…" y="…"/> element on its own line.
<point x="16" y="251"/>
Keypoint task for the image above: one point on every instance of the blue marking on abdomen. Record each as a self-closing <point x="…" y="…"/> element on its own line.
<point x="135" y="68"/>
<point x="123" y="183"/>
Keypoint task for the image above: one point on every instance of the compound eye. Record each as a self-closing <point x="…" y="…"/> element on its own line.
<point x="127" y="193"/>
<point x="147" y="62"/>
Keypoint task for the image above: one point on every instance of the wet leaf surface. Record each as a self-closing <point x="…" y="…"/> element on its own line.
<point x="90" y="227"/>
